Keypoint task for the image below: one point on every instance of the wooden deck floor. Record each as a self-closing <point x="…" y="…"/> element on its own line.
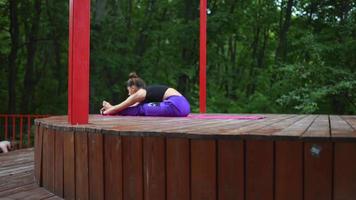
<point x="273" y="126"/>
<point x="17" y="177"/>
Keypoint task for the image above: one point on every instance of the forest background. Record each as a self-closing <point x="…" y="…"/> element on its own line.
<point x="264" y="56"/>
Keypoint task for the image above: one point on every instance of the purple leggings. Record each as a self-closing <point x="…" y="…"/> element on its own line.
<point x="173" y="106"/>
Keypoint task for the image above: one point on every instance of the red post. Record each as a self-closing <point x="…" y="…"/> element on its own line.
<point x="28" y="130"/>
<point x="202" y="63"/>
<point x="5" y="127"/>
<point x="21" y="121"/>
<point x="13" y="128"/>
<point x="78" y="61"/>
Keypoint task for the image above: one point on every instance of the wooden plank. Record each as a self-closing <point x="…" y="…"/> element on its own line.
<point x="289" y="170"/>
<point x="178" y="169"/>
<point x="231" y="169"/>
<point x="278" y="126"/>
<point x="50" y="160"/>
<point x="69" y="165"/>
<point x="341" y="128"/>
<point x="298" y="128"/>
<point x="38" y="155"/>
<point x="154" y="160"/>
<point x="113" y="167"/>
<point x="203" y="166"/>
<point x="351" y="120"/>
<point x="259" y="180"/>
<point x="317" y="170"/>
<point x="96" y="166"/>
<point x="18" y="189"/>
<point x="132" y="168"/>
<point x="36" y="193"/>
<point x="45" y="150"/>
<point x="319" y="128"/>
<point x="345" y="171"/>
<point x="58" y="164"/>
<point x="81" y="166"/>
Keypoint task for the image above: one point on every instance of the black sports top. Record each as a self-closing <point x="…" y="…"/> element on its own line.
<point x="155" y="93"/>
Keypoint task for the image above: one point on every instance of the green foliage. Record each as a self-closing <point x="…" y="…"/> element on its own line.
<point x="159" y="39"/>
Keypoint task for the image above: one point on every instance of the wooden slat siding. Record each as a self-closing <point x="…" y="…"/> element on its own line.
<point x="318" y="170"/>
<point x="344" y="159"/>
<point x="81" y="166"/>
<point x="45" y="151"/>
<point x="69" y="165"/>
<point x="345" y="171"/>
<point x="231" y="169"/>
<point x="132" y="168"/>
<point x="154" y="161"/>
<point x="96" y="167"/>
<point x="113" y="167"/>
<point x="38" y="156"/>
<point x="58" y="163"/>
<point x="341" y="128"/>
<point x="319" y="128"/>
<point x="203" y="169"/>
<point x="298" y="128"/>
<point x="178" y="169"/>
<point x="50" y="160"/>
<point x="288" y="170"/>
<point x="259" y="170"/>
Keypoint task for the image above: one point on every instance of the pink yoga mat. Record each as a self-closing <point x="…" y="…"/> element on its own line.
<point x="212" y="116"/>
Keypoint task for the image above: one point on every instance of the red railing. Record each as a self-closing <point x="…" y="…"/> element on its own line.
<point x="17" y="128"/>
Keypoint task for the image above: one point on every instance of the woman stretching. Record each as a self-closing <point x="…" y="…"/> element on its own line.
<point x="155" y="100"/>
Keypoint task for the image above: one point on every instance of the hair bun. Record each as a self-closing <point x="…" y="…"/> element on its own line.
<point x="133" y="75"/>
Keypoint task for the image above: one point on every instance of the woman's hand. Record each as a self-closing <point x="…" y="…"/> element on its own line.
<point x="106" y="106"/>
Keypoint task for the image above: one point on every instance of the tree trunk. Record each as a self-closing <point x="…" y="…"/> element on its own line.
<point x="281" y="52"/>
<point x="14" y="35"/>
<point x="31" y="46"/>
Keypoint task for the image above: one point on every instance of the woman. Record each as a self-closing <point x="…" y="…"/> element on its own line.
<point x="155" y="100"/>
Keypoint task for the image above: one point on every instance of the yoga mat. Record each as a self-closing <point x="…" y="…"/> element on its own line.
<point x="212" y="116"/>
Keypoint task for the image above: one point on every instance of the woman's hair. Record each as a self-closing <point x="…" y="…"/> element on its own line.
<point x="135" y="80"/>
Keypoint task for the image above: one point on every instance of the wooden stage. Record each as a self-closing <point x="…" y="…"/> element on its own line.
<point x="17" y="177"/>
<point x="279" y="157"/>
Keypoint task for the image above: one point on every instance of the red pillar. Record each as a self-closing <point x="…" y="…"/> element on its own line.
<point x="78" y="61"/>
<point x="202" y="63"/>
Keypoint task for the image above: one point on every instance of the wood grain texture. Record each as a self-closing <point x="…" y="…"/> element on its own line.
<point x="69" y="165"/>
<point x="289" y="170"/>
<point x="203" y="169"/>
<point x="231" y="169"/>
<point x="132" y="168"/>
<point x="178" y="169"/>
<point x="259" y="170"/>
<point x="81" y="166"/>
<point x="38" y="155"/>
<point x="345" y="171"/>
<point x="113" y="167"/>
<point x="58" y="164"/>
<point x="318" y="170"/>
<point x="96" y="166"/>
<point x="154" y="169"/>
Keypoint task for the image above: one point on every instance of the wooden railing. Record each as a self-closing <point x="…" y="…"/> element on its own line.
<point x="17" y="129"/>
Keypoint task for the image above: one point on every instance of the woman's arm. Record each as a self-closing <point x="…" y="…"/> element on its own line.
<point x="139" y="96"/>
